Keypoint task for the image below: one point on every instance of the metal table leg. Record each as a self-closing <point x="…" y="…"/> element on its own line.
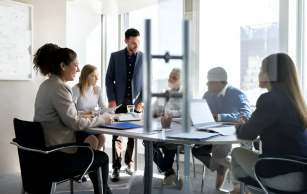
<point x="187" y="178"/>
<point x="148" y="174"/>
<point x="177" y="161"/>
<point x="135" y="155"/>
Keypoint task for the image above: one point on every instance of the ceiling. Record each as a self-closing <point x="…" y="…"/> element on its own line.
<point x="112" y="7"/>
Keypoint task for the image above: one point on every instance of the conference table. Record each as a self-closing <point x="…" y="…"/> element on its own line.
<point x="160" y="136"/>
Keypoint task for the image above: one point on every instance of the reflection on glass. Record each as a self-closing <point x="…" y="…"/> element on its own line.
<point x="233" y="35"/>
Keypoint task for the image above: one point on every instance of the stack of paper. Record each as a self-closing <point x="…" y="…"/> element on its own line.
<point x="229" y="130"/>
<point x="193" y="135"/>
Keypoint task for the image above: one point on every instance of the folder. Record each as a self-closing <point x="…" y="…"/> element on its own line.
<point x="92" y="133"/>
<point x="124" y="125"/>
<point x="194" y="136"/>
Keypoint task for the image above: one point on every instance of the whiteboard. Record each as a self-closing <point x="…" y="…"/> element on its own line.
<point x="16" y="29"/>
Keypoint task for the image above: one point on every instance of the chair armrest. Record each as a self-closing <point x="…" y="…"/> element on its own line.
<point x="14" y="142"/>
<point x="51" y="148"/>
<point x="289" y="158"/>
<point x="65" y="146"/>
<point x="285" y="158"/>
<point x="59" y="147"/>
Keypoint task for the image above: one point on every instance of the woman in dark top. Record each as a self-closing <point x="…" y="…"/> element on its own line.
<point x="280" y="120"/>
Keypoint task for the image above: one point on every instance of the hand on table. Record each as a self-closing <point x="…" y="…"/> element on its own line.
<point x="86" y="113"/>
<point x="86" y="116"/>
<point x="108" y="120"/>
<point x="215" y="118"/>
<point x="166" y="119"/>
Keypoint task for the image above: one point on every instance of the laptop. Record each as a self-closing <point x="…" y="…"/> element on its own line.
<point x="201" y="115"/>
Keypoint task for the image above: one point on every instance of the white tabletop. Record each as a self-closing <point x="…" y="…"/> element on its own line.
<point x="160" y="137"/>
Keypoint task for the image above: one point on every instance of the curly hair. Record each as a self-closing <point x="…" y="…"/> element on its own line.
<point x="48" y="58"/>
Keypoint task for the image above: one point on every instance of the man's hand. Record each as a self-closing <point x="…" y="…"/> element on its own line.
<point x="108" y="120"/>
<point x="166" y="119"/>
<point x="112" y="104"/>
<point x="215" y="118"/>
<point x="140" y="107"/>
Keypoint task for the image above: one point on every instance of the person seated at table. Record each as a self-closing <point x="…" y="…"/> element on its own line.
<point x="56" y="111"/>
<point x="280" y="119"/>
<point x="227" y="104"/>
<point x="87" y="96"/>
<point x="173" y="104"/>
<point x="165" y="159"/>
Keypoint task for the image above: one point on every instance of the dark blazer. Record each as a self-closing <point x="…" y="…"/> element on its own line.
<point x="116" y="78"/>
<point x="277" y="122"/>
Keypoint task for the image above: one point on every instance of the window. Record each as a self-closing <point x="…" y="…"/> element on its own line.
<point x="237" y="35"/>
<point x="166" y="36"/>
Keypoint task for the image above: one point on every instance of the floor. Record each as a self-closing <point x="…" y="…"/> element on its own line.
<point x="11" y="184"/>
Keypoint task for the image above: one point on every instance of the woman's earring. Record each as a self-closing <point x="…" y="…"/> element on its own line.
<point x="63" y="69"/>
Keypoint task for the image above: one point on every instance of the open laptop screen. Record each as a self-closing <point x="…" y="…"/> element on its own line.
<point x="201" y="115"/>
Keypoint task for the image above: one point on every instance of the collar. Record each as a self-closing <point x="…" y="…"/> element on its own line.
<point x="127" y="53"/>
<point x="174" y="91"/>
<point x="223" y="91"/>
<point x="55" y="77"/>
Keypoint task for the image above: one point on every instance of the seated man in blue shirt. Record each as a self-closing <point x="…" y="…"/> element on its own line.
<point x="227" y="104"/>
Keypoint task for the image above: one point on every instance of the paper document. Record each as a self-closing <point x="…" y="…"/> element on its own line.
<point x="107" y="114"/>
<point x="229" y="130"/>
<point x="193" y="135"/>
<point x="110" y="109"/>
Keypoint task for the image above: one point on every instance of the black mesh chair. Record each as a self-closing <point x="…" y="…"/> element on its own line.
<point x="257" y="185"/>
<point x="37" y="177"/>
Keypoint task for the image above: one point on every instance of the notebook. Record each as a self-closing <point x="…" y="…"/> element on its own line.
<point x="124" y="125"/>
<point x="194" y="135"/>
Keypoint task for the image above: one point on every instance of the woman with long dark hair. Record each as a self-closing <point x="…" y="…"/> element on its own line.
<point x="56" y="111"/>
<point x="280" y="119"/>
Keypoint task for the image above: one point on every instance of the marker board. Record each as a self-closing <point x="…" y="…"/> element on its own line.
<point x="16" y="35"/>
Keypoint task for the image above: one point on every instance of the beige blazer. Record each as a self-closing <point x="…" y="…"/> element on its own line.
<point x="57" y="112"/>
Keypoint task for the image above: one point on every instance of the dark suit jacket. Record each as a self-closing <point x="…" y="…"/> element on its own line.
<point x="116" y="78"/>
<point x="281" y="131"/>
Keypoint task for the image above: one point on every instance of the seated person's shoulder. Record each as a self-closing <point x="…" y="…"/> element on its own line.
<point x="75" y="88"/>
<point x="270" y="99"/>
<point x="207" y="94"/>
<point x="237" y="92"/>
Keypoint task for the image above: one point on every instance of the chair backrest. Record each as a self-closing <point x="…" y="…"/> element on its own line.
<point x="32" y="164"/>
<point x="29" y="134"/>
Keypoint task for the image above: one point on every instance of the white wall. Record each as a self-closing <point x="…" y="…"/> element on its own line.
<point x="17" y="97"/>
<point x="125" y="6"/>
<point x="83" y="32"/>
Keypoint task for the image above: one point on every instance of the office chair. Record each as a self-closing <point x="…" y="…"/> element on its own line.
<point x="33" y="159"/>
<point x="258" y="186"/>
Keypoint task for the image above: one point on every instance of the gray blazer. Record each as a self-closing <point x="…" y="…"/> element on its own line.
<point x="57" y="112"/>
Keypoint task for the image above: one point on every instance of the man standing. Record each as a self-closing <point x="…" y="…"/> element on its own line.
<point x="227" y="104"/>
<point x="124" y="86"/>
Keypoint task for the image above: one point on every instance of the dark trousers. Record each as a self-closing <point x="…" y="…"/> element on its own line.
<point x="165" y="163"/>
<point x="74" y="164"/>
<point x="117" y="142"/>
